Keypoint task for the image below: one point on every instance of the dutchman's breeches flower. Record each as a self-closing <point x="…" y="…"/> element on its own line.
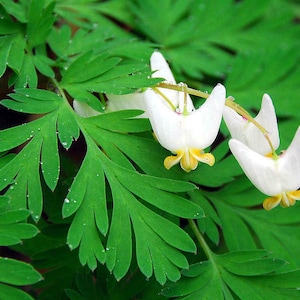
<point x="277" y="177"/>
<point x="182" y="129"/>
<point x="247" y="132"/>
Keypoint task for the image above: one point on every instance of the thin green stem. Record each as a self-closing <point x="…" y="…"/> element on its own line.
<point x="156" y="90"/>
<point x="186" y="89"/>
<point x="201" y="240"/>
<point x="241" y="111"/>
<point x="61" y="92"/>
<point x="229" y="102"/>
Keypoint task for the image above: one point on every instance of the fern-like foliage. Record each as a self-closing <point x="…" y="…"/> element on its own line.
<point x="86" y="203"/>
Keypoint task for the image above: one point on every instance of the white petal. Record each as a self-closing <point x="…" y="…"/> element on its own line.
<point x="248" y="133"/>
<point x="127" y="101"/>
<point x="235" y="123"/>
<point x="84" y="110"/>
<point x="166" y="123"/>
<point x="267" y="118"/>
<point x="161" y="67"/>
<point x="261" y="171"/>
<point x="289" y="165"/>
<point x="162" y="70"/>
<point x="182" y="97"/>
<point x="197" y="130"/>
<point x="202" y="125"/>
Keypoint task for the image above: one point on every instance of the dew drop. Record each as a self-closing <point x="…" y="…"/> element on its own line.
<point x="67" y="200"/>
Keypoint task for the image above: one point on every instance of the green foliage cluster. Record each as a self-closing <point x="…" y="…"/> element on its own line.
<point x="87" y="210"/>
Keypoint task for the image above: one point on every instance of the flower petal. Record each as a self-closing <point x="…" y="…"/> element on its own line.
<point x="272" y="202"/>
<point x="161" y="69"/>
<point x="84" y="110"/>
<point x="201" y="126"/>
<point x="188" y="162"/>
<point x="289" y="165"/>
<point x="246" y="132"/>
<point x="196" y="130"/>
<point x="206" y="158"/>
<point x="235" y="123"/>
<point x="172" y="160"/>
<point x="127" y="101"/>
<point x="267" y="118"/>
<point x="166" y="123"/>
<point x="262" y="171"/>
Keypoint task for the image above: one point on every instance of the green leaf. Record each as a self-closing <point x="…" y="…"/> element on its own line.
<point x="16" y="54"/>
<point x="165" y="239"/>
<point x="17" y="273"/>
<point x="165" y="235"/>
<point x="13" y="226"/>
<point x="27" y="75"/>
<point x="22" y="172"/>
<point x="32" y="101"/>
<point x="15" y="9"/>
<point x="232" y="274"/>
<point x="40" y="15"/>
<point x="5" y="45"/>
<point x="43" y="65"/>
<point x="12" y="293"/>
<point x="121" y="121"/>
<point x="251" y="263"/>
<point x="93" y="66"/>
<point x="87" y="197"/>
<point x="67" y="126"/>
<point x="210" y="224"/>
<point x="50" y="164"/>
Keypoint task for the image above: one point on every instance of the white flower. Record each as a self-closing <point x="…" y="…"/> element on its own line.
<point x="278" y="177"/>
<point x="127" y="101"/>
<point x="183" y="130"/>
<point x="136" y="100"/>
<point x="246" y="132"/>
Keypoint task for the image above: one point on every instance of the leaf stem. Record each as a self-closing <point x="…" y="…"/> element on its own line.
<point x="201" y="240"/>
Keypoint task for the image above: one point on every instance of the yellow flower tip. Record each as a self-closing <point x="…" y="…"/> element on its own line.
<point x="285" y="200"/>
<point x="172" y="160"/>
<point x="271" y="202"/>
<point x="189" y="159"/>
<point x="206" y="158"/>
<point x="188" y="162"/>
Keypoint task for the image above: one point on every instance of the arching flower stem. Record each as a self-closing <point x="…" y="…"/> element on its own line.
<point x="229" y="102"/>
<point x="164" y="97"/>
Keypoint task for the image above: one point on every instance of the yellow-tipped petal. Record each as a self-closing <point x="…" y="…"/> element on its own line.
<point x="189" y="159"/>
<point x="172" y="160"/>
<point x="271" y="202"/>
<point x="285" y="200"/>
<point x="206" y="158"/>
<point x="188" y="162"/>
<point x="294" y="195"/>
